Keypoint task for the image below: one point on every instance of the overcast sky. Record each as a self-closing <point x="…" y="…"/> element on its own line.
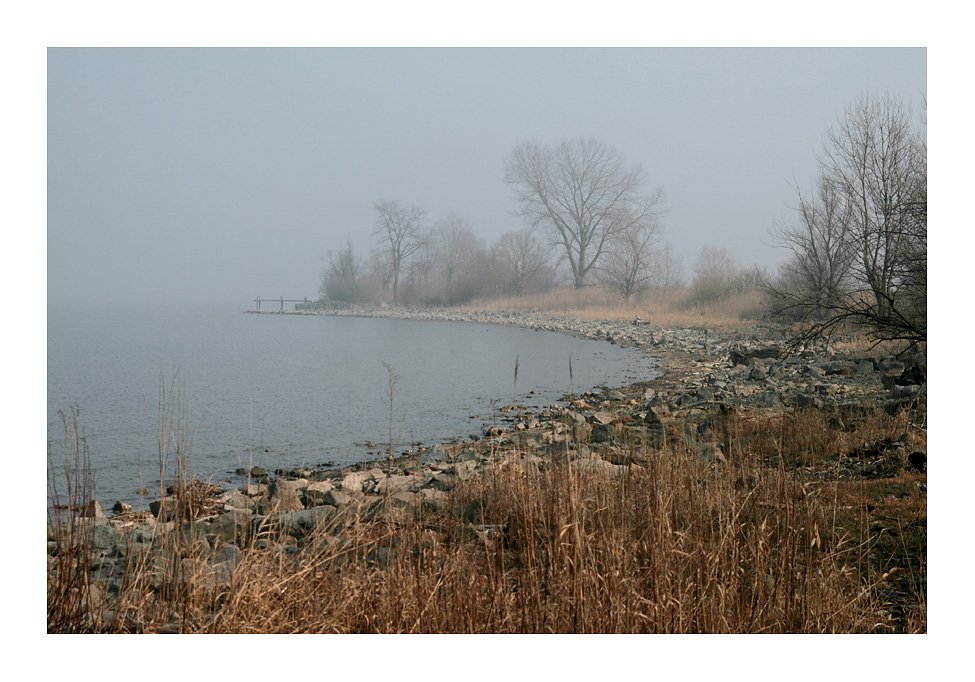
<point x="222" y="174"/>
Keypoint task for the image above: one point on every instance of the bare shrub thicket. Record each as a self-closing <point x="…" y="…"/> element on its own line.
<point x="461" y="255"/>
<point x="523" y="263"/>
<point x="344" y="278"/>
<point x="717" y="277"/>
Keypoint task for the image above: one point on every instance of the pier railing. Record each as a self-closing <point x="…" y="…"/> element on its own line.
<point x="282" y="301"/>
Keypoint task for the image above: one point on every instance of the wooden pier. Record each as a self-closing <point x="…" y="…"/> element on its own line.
<point x="281" y="300"/>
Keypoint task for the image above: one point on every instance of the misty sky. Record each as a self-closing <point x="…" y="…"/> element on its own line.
<point x="222" y="174"/>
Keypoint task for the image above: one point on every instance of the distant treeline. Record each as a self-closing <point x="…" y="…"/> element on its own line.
<point x="857" y="252"/>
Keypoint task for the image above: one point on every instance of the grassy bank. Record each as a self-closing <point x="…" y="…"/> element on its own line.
<point x="677" y="546"/>
<point x="785" y="532"/>
<point x="670" y="307"/>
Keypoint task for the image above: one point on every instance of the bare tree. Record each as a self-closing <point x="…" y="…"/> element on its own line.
<point x="583" y="193"/>
<point x="381" y="270"/>
<point x="523" y="261"/>
<point x="714" y="274"/>
<point x="628" y="266"/>
<point x="876" y="160"/>
<point x="339" y="281"/>
<point x="822" y="253"/>
<point x="753" y="278"/>
<point x="911" y="271"/>
<point x="873" y="200"/>
<point x="668" y="269"/>
<point x="458" y="248"/>
<point x="400" y="234"/>
<point x="421" y="265"/>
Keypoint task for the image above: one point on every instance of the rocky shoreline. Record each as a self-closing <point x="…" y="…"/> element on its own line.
<point x="747" y="367"/>
<point x="706" y="374"/>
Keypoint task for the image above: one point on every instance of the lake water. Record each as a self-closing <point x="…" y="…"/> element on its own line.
<point x="281" y="391"/>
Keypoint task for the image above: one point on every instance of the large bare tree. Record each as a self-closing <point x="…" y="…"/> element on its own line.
<point x="860" y="249"/>
<point x="876" y="158"/>
<point x="583" y="193"/>
<point x="400" y="234"/>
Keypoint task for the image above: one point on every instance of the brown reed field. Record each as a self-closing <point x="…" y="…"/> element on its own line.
<point x="770" y="540"/>
<point x="668" y="307"/>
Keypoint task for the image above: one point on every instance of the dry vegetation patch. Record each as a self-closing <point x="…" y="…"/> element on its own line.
<point x="667" y="307"/>
<point x="782" y="536"/>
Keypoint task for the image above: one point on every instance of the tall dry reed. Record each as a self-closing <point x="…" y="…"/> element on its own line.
<point x="72" y="529"/>
<point x="550" y="540"/>
<point x="675" y="545"/>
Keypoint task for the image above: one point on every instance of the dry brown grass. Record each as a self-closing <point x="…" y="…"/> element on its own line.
<point x="69" y="598"/>
<point x="671" y="307"/>
<point x="674" y="545"/>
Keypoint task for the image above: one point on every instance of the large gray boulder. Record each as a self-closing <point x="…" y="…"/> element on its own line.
<point x="355" y="480"/>
<point x="339" y="498"/>
<point x="235" y="499"/>
<point x="434" y="455"/>
<point x="315" y="493"/>
<point x="282" y="496"/>
<point x="92" y="510"/>
<point x="300" y="523"/>
<point x="231" y="528"/>
<point x="393" y="484"/>
<point x="603" y="433"/>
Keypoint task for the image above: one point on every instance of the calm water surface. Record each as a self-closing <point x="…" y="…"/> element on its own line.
<point x="288" y="390"/>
